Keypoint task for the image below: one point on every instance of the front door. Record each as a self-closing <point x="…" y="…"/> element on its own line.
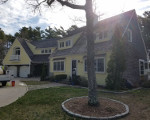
<point x="74" y="67"/>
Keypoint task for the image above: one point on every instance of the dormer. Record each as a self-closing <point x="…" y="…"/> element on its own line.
<point x="68" y="42"/>
<point x="103" y="35"/>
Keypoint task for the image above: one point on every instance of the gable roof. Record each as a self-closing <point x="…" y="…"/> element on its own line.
<point x="45" y="43"/>
<point x="109" y="23"/>
<point x="26" y="47"/>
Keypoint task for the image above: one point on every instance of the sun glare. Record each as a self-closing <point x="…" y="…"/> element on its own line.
<point x="108" y="8"/>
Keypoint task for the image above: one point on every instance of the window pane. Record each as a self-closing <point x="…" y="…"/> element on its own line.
<point x="100" y="65"/>
<point x="55" y="66"/>
<point x="85" y="65"/>
<point x="105" y="34"/>
<point x="62" y="65"/>
<point x="100" y="35"/>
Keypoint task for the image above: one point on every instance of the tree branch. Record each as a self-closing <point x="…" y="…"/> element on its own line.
<point x="73" y="6"/>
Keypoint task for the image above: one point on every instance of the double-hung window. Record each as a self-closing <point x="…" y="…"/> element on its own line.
<point x="68" y="43"/>
<point x="58" y="66"/>
<point x="99" y="64"/>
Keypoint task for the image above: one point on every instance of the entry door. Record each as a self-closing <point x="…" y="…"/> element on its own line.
<point x="74" y="67"/>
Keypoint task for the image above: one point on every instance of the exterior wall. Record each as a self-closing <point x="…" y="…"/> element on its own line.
<point x="24" y="58"/>
<point x="135" y="50"/>
<point x="73" y="39"/>
<point x="100" y="77"/>
<point x="38" y="50"/>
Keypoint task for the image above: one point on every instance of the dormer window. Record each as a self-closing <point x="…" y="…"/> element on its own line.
<point x="49" y="50"/>
<point x="61" y="44"/>
<point x="105" y="34"/>
<point x="68" y="43"/>
<point x="42" y="51"/>
<point x="17" y="51"/>
<point x="129" y="35"/>
<point x="100" y="36"/>
<point x="46" y="51"/>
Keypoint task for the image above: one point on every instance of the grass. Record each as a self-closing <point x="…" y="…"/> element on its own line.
<point x="45" y="104"/>
<point x="36" y="82"/>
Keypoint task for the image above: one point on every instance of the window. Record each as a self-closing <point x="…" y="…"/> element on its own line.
<point x="17" y="51"/>
<point x="99" y="65"/>
<point x="100" y="35"/>
<point x="49" y="50"/>
<point x="68" y="43"/>
<point x="129" y="35"/>
<point x="42" y="51"/>
<point x="58" y="66"/>
<point x="105" y="34"/>
<point x="61" y="44"/>
<point x="46" y="50"/>
<point x="141" y="67"/>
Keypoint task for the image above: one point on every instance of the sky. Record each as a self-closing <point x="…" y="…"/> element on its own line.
<point x="16" y="14"/>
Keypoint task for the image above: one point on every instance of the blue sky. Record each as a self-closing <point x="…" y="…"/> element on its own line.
<point x="16" y="14"/>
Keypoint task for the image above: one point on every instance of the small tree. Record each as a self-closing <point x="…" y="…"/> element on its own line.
<point x="116" y="65"/>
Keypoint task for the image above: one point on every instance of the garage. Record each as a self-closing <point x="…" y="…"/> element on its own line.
<point x="24" y="71"/>
<point x="13" y="70"/>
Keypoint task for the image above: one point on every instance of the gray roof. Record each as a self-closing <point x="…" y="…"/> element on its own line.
<point x="40" y="58"/>
<point x="26" y="47"/>
<point x="109" y="23"/>
<point x="80" y="47"/>
<point x="45" y="43"/>
<point x="34" y="58"/>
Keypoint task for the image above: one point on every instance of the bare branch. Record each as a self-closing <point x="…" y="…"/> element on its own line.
<point x="71" y="5"/>
<point x="3" y="1"/>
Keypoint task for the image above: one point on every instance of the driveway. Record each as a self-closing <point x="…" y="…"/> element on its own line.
<point x="10" y="94"/>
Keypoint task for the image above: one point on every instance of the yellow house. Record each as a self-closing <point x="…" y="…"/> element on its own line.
<point x="69" y="55"/>
<point x="26" y="58"/>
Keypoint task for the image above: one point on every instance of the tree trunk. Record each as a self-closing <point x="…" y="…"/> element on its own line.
<point x="92" y="94"/>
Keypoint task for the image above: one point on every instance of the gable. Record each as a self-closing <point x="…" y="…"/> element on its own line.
<point x="23" y="58"/>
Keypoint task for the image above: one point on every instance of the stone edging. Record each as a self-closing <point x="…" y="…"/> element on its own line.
<point x="96" y="118"/>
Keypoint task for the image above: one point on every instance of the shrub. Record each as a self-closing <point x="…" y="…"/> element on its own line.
<point x="60" y="77"/>
<point x="146" y="84"/>
<point x="75" y="79"/>
<point x="83" y="82"/>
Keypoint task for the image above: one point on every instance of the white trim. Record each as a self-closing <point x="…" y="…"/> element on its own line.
<point x="76" y="67"/>
<point x="59" y="70"/>
<point x="127" y="25"/>
<point x="130" y="36"/>
<point x="95" y="70"/>
<point x="140" y="60"/>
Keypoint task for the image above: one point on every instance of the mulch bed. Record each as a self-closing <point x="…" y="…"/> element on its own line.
<point x="106" y="108"/>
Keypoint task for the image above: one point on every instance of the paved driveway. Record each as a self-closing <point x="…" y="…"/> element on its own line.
<point x="10" y="94"/>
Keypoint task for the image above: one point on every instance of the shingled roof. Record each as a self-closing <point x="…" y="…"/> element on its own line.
<point x="45" y="43"/>
<point x="109" y="23"/>
<point x="26" y="47"/>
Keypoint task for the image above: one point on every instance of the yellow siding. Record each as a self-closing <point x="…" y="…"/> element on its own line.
<point x="38" y="50"/>
<point x="100" y="77"/>
<point x="24" y="58"/>
<point x="73" y="39"/>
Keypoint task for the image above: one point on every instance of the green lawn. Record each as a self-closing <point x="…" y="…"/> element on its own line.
<point x="45" y="104"/>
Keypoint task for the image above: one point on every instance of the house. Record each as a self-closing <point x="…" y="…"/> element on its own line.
<point x="26" y="58"/>
<point x="68" y="55"/>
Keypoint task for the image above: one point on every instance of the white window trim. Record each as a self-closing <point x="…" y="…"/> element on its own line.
<point x="140" y="60"/>
<point x="95" y="59"/>
<point x="130" y="31"/>
<point x="59" y="70"/>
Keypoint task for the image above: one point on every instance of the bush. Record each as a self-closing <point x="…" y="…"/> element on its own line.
<point x="83" y="82"/>
<point x="146" y="84"/>
<point x="60" y="77"/>
<point x="75" y="80"/>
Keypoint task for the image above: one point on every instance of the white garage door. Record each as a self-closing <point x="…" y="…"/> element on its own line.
<point x="13" y="69"/>
<point x="24" y="71"/>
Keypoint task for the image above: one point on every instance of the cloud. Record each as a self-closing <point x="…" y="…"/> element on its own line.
<point x="16" y="14"/>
